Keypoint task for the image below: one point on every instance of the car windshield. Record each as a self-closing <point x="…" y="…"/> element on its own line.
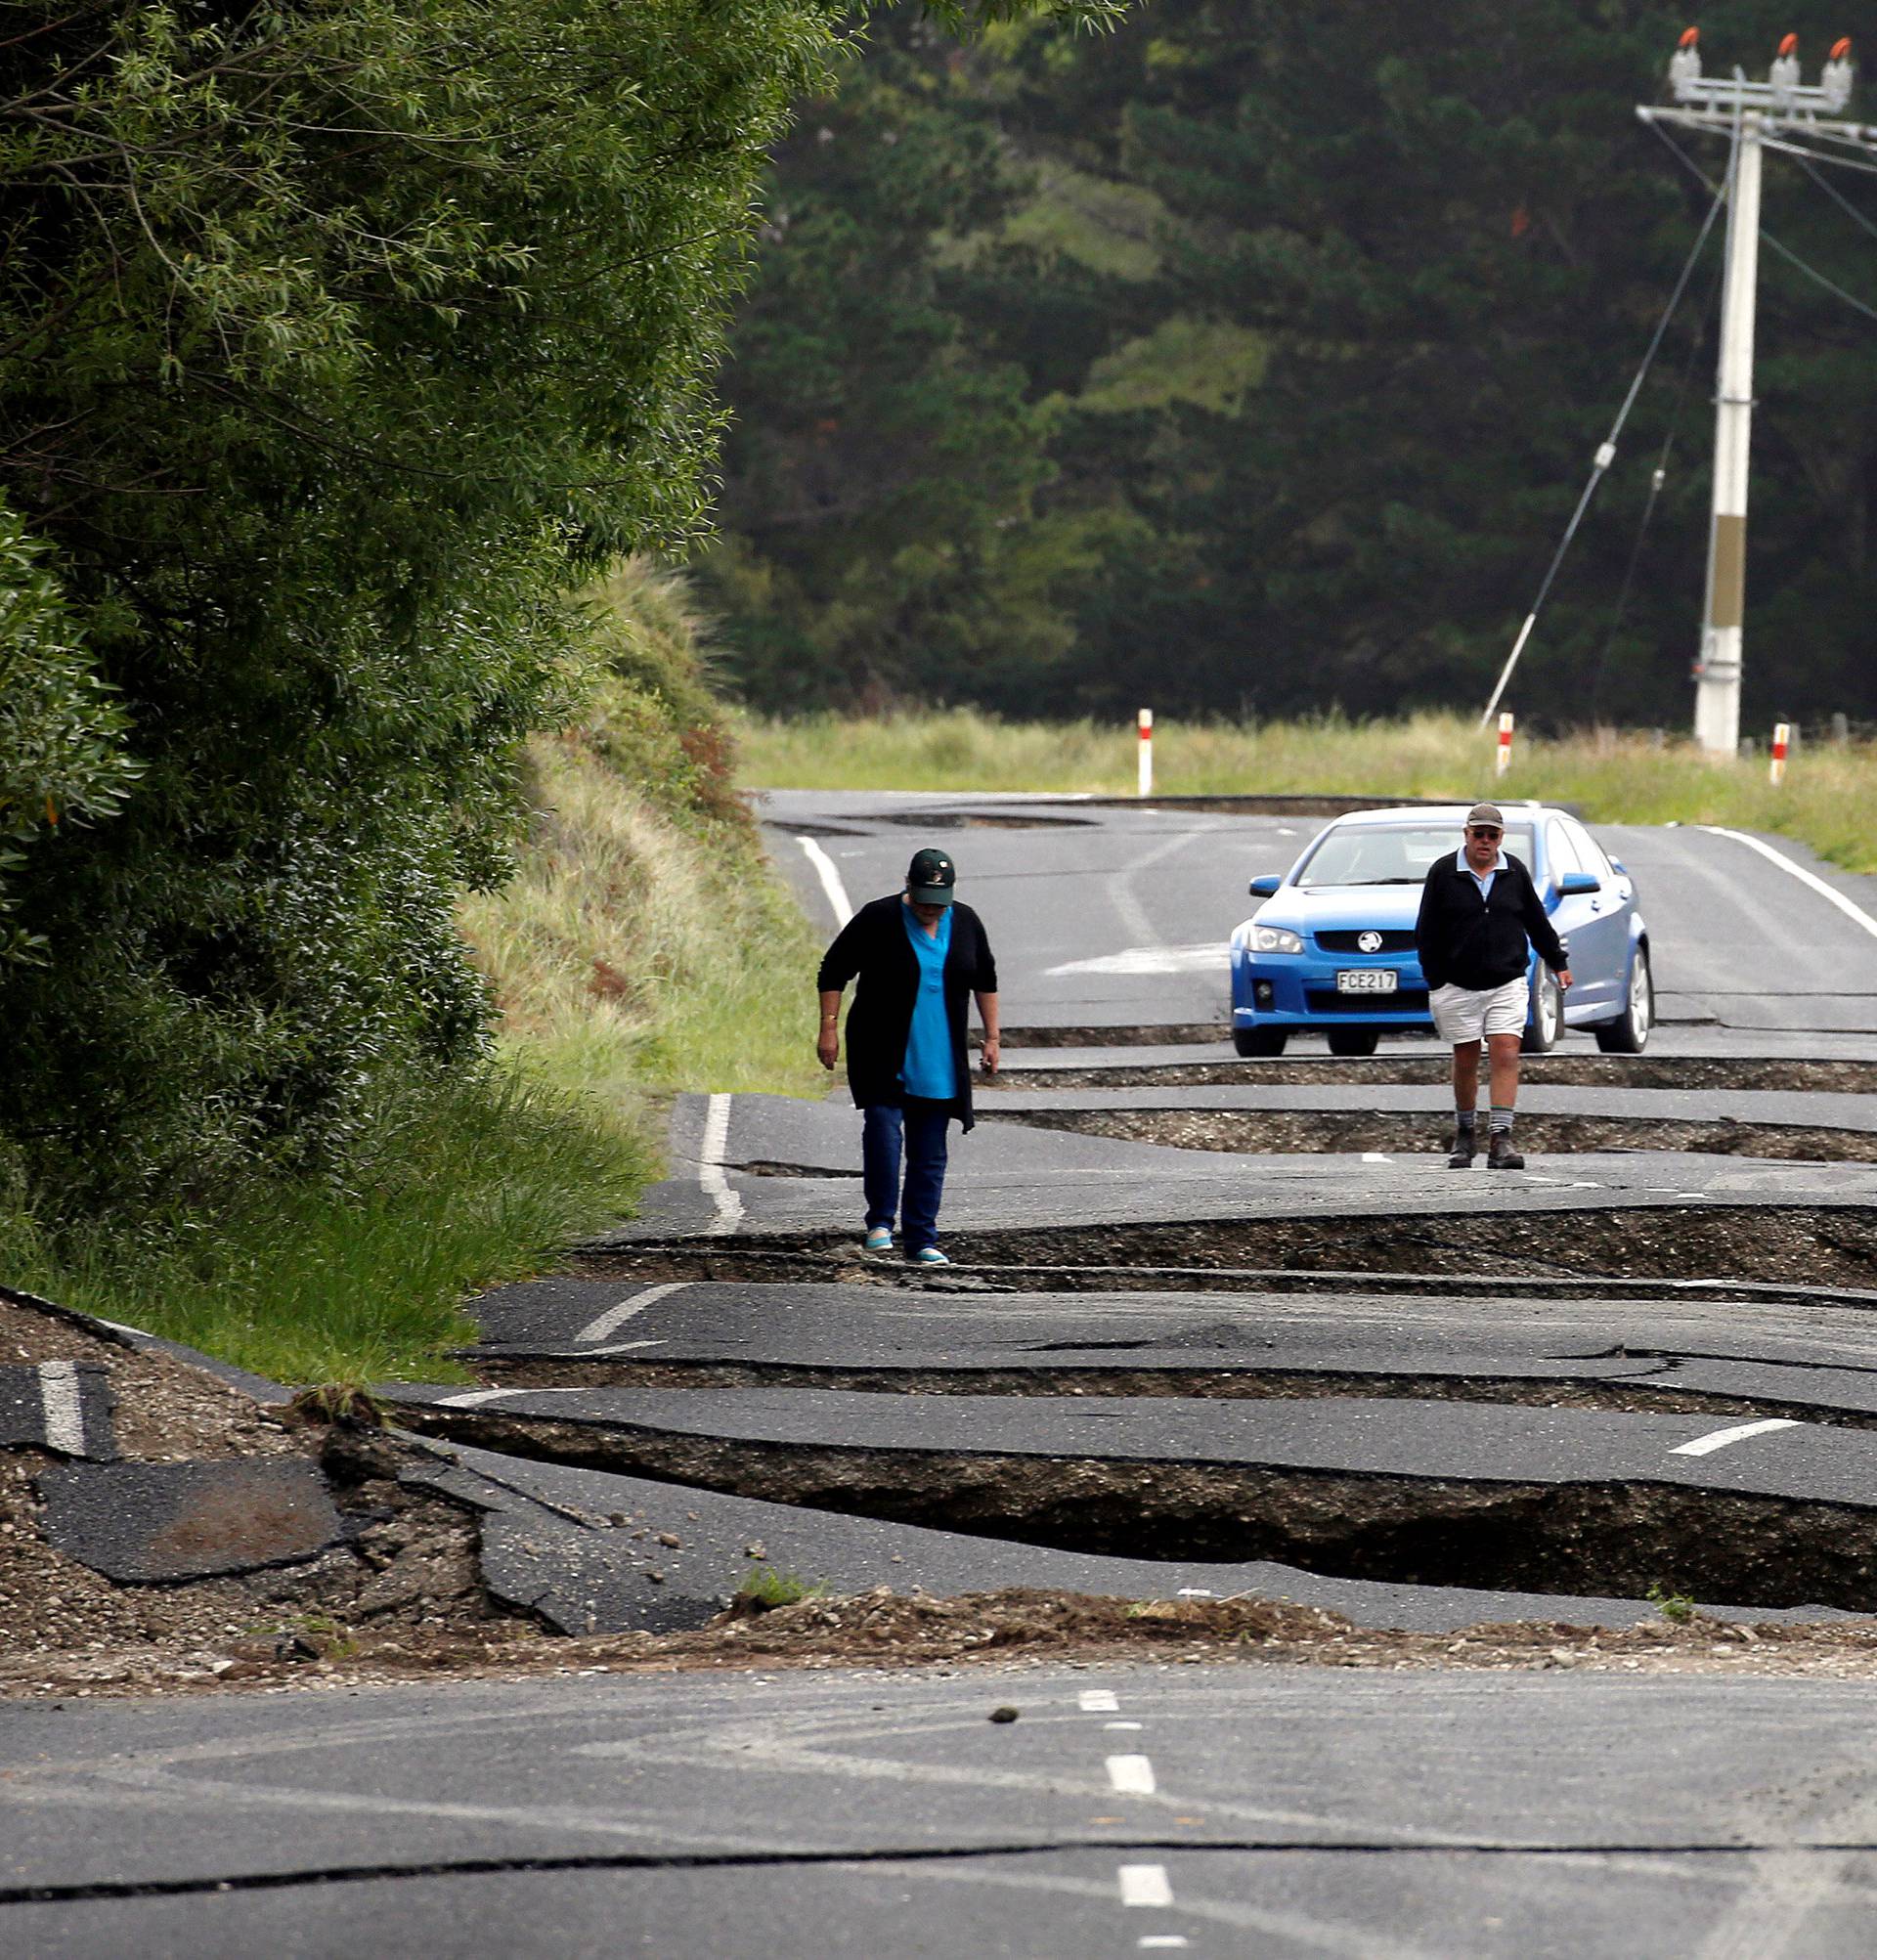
<point x="1396" y="855"/>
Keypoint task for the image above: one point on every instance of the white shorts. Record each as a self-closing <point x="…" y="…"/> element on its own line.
<point x="1462" y="1014"/>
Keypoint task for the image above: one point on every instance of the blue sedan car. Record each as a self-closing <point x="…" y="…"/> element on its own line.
<point x="1332" y="951"/>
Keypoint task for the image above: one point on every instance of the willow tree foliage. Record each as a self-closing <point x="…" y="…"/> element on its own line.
<point x="337" y="341"/>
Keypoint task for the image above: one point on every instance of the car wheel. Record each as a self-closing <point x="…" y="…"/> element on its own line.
<point x="1353" y="1040"/>
<point x="1548" y="1016"/>
<point x="1629" y="1033"/>
<point x="1261" y="1040"/>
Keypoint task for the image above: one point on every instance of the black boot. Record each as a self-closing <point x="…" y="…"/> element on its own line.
<point x="1499" y="1154"/>
<point x="1466" y="1147"/>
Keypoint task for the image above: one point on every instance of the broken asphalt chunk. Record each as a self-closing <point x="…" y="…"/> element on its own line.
<point x="148" y="1523"/>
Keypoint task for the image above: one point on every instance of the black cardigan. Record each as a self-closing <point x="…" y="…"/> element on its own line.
<point x="1479" y="945"/>
<point x="873" y="947"/>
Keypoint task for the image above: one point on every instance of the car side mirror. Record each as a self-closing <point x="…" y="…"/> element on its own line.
<point x="1621" y="869"/>
<point x="1576" y="884"/>
<point x="1263" y="887"/>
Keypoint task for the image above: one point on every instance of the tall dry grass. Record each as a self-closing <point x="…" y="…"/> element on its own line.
<point x="632" y="957"/>
<point x="1828" y="800"/>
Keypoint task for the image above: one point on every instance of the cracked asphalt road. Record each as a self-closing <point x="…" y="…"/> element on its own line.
<point x="1204" y="1809"/>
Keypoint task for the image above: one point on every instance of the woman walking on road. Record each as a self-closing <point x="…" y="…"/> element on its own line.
<point x="916" y="956"/>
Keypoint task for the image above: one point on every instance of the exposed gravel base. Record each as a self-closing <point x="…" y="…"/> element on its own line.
<point x="1005" y="1635"/>
<point x="1249" y="1132"/>
<point x="1801" y="1245"/>
<point x="409" y="1561"/>
<point x="1629" y="1072"/>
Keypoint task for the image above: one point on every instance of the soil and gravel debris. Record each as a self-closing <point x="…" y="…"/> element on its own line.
<point x="408" y="1561"/>
<point x="1000" y="1632"/>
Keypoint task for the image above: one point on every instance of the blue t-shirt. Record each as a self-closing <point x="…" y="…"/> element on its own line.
<point x="929" y="1071"/>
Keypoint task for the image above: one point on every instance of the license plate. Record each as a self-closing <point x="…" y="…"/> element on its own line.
<point x="1368" y="979"/>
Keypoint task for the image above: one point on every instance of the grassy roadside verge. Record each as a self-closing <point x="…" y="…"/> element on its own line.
<point x="1828" y="800"/>
<point x="644" y="946"/>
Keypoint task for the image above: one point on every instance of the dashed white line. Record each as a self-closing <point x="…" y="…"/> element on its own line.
<point x="1162" y="1939"/>
<point x="62" y="1406"/>
<point x="1097" y="1701"/>
<point x="709" y="1169"/>
<point x="475" y="1397"/>
<point x="614" y="1317"/>
<point x="830" y="877"/>
<point x="1123" y="1725"/>
<point x="1720" y="1439"/>
<point x="1144" y="1885"/>
<point x="1376" y="1156"/>
<point x="1855" y="913"/>
<point x="1131" y="1775"/>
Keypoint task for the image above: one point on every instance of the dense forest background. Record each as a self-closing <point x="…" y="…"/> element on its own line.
<point x="1252" y="359"/>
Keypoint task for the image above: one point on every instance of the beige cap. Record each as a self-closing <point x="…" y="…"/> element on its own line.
<point x="1485" y="813"/>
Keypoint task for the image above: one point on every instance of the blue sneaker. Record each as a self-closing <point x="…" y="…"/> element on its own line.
<point x="928" y="1255"/>
<point x="880" y="1239"/>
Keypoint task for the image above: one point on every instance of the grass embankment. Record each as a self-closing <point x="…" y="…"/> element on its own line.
<point x="1828" y="800"/>
<point x="644" y="947"/>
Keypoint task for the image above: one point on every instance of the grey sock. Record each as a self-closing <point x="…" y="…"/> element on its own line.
<point x="1502" y="1123"/>
<point x="1466" y="1119"/>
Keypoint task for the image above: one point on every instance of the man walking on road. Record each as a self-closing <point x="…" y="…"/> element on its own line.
<point x="916" y="955"/>
<point x="1480" y="917"/>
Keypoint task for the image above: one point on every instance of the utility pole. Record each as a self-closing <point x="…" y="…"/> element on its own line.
<point x="1751" y="114"/>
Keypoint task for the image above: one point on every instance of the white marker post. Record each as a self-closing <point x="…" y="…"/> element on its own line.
<point x="1503" y="761"/>
<point x="1145" y="785"/>
<point x="1781" y="735"/>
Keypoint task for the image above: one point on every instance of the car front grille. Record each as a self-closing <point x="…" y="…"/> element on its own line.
<point x="1325" y="1000"/>
<point x="1393" y="941"/>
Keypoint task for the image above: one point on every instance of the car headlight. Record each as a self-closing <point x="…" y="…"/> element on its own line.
<point x="1275" y="939"/>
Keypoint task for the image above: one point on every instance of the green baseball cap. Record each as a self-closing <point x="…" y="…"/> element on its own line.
<point x="929" y="878"/>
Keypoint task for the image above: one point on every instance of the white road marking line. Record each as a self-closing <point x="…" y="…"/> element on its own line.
<point x="475" y="1397"/>
<point x="1097" y="1701"/>
<point x="624" y="1346"/>
<point x="1855" y="913"/>
<point x="1131" y="1775"/>
<point x="1719" y="1439"/>
<point x="830" y="877"/>
<point x="614" y="1317"/>
<point x="1144" y="1885"/>
<point x="1145" y="961"/>
<point x="1162" y="1939"/>
<point x="61" y="1407"/>
<point x="1376" y="1156"/>
<point x="709" y="1170"/>
<point x="1123" y="1725"/>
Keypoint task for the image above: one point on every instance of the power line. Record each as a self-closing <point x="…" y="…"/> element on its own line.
<point x="1831" y="189"/>
<point x="1818" y="155"/>
<point x="1605" y="455"/>
<point x="1785" y="251"/>
<point x="1657" y="478"/>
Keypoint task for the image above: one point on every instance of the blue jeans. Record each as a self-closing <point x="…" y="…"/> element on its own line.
<point x="922" y="1124"/>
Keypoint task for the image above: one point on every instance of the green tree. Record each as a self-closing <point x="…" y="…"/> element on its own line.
<point x="337" y="343"/>
<point x="1322" y="315"/>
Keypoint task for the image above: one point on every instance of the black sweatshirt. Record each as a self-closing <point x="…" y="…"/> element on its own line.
<point x="1478" y="943"/>
<point x="873" y="947"/>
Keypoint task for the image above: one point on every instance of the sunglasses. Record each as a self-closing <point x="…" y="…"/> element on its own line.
<point x="1483" y="830"/>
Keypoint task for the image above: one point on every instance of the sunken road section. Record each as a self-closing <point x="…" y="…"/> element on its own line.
<point x="1797" y="1244"/>
<point x="1575" y="1070"/>
<point x="1252" y="1132"/>
<point x="1614" y="1536"/>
